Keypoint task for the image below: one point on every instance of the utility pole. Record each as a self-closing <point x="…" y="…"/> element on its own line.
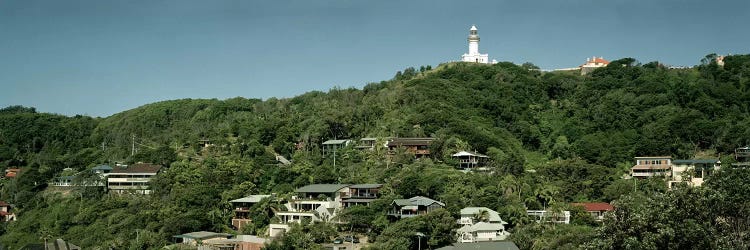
<point x="132" y="151"/>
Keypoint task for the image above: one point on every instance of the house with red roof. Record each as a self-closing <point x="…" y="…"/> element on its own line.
<point x="5" y="213"/>
<point x="592" y="64"/>
<point x="12" y="172"/>
<point x="596" y="209"/>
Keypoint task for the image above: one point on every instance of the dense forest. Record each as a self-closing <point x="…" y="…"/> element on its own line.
<point x="553" y="138"/>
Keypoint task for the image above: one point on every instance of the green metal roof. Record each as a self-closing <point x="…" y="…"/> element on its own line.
<point x="322" y="188"/>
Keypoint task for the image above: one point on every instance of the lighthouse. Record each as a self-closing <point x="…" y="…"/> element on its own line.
<point x="474" y="55"/>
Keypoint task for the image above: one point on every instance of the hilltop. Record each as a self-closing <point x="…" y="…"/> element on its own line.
<point x="578" y="133"/>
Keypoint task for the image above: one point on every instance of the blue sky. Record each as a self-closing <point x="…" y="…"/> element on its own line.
<point x="99" y="57"/>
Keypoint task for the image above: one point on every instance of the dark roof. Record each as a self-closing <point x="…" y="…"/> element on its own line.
<point x="695" y="161"/>
<point x="3" y="204"/>
<point x="321" y="188"/>
<point x="594" y="206"/>
<point x="138" y="168"/>
<point x="494" y="245"/>
<point x="397" y="142"/>
<point x="366" y="186"/>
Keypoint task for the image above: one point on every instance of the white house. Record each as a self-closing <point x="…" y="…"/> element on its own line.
<point x="540" y="216"/>
<point x="481" y="224"/>
<point x="592" y="64"/>
<point x="692" y="172"/>
<point x="316" y="202"/>
<point x="132" y="179"/>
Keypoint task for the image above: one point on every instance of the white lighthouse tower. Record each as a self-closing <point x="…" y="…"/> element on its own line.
<point x="473" y="55"/>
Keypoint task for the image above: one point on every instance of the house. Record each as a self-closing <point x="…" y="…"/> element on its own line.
<point x="367" y="143"/>
<point x="242" y="209"/>
<point x="596" y="209"/>
<point x="693" y="171"/>
<point x="420" y="147"/>
<point x="5" y="212"/>
<point x="496" y="245"/>
<point x="132" y="179"/>
<point x="549" y="216"/>
<point x="417" y="205"/>
<point x="331" y="146"/>
<point x="361" y="194"/>
<point x="481" y="224"/>
<point x="316" y="202"/>
<point x="468" y="160"/>
<point x="12" y="172"/>
<point x="742" y="156"/>
<point x="201" y="238"/>
<point x="592" y="64"/>
<point x="651" y="166"/>
<point x="63" y="181"/>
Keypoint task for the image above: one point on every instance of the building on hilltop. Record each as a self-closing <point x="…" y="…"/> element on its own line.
<point x="592" y="64"/>
<point x="474" y="55"/>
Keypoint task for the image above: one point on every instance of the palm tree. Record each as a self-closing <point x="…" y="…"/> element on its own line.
<point x="481" y="216"/>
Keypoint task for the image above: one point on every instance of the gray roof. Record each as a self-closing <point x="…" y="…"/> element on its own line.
<point x="484" y="226"/>
<point x="494" y="245"/>
<point x="335" y="142"/>
<point x="322" y="188"/>
<point x="366" y="186"/>
<point x="252" y="198"/>
<point x="202" y="235"/>
<point x="102" y="167"/>
<point x="493" y="215"/>
<point x="62" y="245"/>
<point x="417" y="201"/>
<point x="695" y="161"/>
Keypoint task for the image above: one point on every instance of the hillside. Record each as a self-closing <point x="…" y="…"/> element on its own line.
<point x="578" y="134"/>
